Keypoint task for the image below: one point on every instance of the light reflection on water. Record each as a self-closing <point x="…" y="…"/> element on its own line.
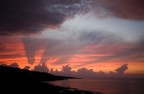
<point x="107" y="86"/>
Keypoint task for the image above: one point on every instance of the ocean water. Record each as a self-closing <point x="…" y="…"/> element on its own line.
<point x="106" y="86"/>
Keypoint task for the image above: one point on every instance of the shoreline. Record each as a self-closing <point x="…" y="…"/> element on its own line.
<point x="17" y="81"/>
<point x="17" y="87"/>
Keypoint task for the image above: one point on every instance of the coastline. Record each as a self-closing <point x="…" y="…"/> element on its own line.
<point x="17" y="81"/>
<point x="18" y="87"/>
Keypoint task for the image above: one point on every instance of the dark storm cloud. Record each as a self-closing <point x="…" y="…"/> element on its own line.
<point x="131" y="9"/>
<point x="21" y="16"/>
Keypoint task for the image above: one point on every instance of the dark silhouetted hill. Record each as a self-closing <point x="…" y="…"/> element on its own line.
<point x="9" y="73"/>
<point x="17" y="81"/>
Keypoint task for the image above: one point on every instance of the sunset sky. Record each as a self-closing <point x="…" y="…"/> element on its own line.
<point x="96" y="34"/>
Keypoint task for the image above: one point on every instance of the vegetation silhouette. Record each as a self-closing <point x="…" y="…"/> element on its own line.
<point x="14" y="80"/>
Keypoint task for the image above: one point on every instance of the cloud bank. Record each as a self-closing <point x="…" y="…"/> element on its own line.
<point x="25" y="17"/>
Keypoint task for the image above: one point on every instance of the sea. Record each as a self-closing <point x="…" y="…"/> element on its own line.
<point x="105" y="86"/>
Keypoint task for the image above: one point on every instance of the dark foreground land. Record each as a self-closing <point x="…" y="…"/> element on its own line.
<point x="18" y="81"/>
